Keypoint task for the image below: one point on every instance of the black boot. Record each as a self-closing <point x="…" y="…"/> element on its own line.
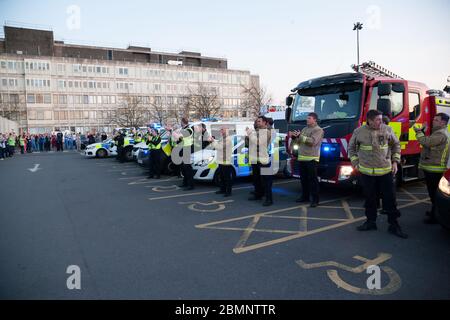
<point x="220" y="192"/>
<point x="268" y="203"/>
<point x="397" y="231"/>
<point x="367" y="226"/>
<point x="302" y="200"/>
<point x="430" y="220"/>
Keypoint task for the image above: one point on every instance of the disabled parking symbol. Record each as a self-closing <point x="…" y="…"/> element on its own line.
<point x="368" y="264"/>
<point x="214" y="206"/>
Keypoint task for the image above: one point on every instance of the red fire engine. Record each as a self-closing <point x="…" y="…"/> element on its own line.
<point x="342" y="102"/>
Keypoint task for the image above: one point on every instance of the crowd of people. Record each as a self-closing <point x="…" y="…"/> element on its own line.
<point x="11" y="143"/>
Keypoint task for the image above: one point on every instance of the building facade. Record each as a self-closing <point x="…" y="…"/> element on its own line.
<point x="47" y="85"/>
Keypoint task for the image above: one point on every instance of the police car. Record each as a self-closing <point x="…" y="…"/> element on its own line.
<point x="103" y="149"/>
<point x="205" y="166"/>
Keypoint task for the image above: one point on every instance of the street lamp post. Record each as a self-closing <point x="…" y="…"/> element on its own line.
<point x="357" y="26"/>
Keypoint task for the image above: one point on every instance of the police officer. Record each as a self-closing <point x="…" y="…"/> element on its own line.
<point x="259" y="142"/>
<point x="120" y="141"/>
<point x="309" y="142"/>
<point x="154" y="143"/>
<point x="434" y="157"/>
<point x="187" y="143"/>
<point x="374" y="151"/>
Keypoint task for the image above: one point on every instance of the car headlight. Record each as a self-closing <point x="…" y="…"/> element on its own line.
<point x="90" y="147"/>
<point x="204" y="162"/>
<point x="345" y="172"/>
<point x="444" y="186"/>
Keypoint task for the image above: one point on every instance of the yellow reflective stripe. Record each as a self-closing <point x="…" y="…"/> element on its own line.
<point x="213" y="165"/>
<point x="308" y="158"/>
<point x="354" y="158"/>
<point x="430" y="168"/>
<point x="241" y="161"/>
<point x="396" y="127"/>
<point x="403" y="144"/>
<point x="375" y="171"/>
<point x="167" y="149"/>
<point x="383" y="147"/>
<point x="365" y="147"/>
<point x="444" y="154"/>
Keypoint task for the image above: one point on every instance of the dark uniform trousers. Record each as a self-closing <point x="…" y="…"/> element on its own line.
<point x="385" y="185"/>
<point x="155" y="163"/>
<point x="432" y="180"/>
<point x="262" y="183"/>
<point x="186" y="169"/>
<point x="309" y="180"/>
<point x="226" y="178"/>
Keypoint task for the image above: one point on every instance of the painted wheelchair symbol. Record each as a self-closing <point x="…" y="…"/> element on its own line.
<point x="165" y="188"/>
<point x="394" y="279"/>
<point x="214" y="206"/>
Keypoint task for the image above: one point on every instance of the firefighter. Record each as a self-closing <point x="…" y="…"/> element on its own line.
<point x="434" y="157"/>
<point x="260" y="141"/>
<point x="374" y="151"/>
<point x="186" y="141"/>
<point x="154" y="143"/>
<point x="309" y="142"/>
<point x="224" y="149"/>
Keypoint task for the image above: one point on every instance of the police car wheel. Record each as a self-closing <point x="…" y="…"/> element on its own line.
<point x="101" y="153"/>
<point x="128" y="154"/>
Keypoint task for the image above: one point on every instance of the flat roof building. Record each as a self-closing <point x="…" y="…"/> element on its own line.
<point x="46" y="84"/>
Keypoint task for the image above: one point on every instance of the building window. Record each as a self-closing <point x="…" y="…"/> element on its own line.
<point x="31" y="98"/>
<point x="414" y="105"/>
<point x="110" y="55"/>
<point x="47" y="98"/>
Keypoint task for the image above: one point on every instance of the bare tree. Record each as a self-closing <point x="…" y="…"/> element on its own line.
<point x="254" y="98"/>
<point x="10" y="106"/>
<point x="131" y="112"/>
<point x="159" y="110"/>
<point x="203" y="102"/>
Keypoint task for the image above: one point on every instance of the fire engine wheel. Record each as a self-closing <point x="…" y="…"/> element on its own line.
<point x="217" y="181"/>
<point x="101" y="153"/>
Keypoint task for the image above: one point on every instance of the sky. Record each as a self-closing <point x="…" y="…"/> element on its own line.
<point x="284" y="42"/>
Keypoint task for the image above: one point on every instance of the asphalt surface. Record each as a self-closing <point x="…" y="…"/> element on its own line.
<point x="144" y="239"/>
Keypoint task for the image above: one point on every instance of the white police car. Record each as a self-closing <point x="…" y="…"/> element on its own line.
<point x="205" y="166"/>
<point x="103" y="149"/>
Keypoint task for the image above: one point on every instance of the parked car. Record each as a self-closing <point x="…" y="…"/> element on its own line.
<point x="443" y="201"/>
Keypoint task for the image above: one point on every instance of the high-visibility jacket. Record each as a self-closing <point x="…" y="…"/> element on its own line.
<point x="373" y="151"/>
<point x="154" y="143"/>
<point x="434" y="154"/>
<point x="21" y="141"/>
<point x="188" y="137"/>
<point x="11" y="142"/>
<point x="309" y="143"/>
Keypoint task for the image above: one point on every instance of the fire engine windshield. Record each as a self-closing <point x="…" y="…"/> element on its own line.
<point x="330" y="103"/>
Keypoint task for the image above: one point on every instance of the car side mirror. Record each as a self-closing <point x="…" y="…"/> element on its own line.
<point x="289" y="101"/>
<point x="287" y="115"/>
